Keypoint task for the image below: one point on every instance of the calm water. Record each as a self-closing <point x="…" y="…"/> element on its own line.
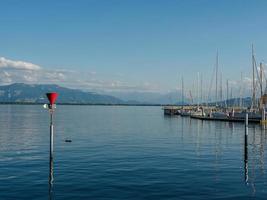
<point x="127" y="153"/>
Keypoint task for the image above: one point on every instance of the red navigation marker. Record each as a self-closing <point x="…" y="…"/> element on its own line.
<point x="52" y="97"/>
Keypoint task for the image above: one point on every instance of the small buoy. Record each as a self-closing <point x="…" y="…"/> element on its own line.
<point x="68" y="140"/>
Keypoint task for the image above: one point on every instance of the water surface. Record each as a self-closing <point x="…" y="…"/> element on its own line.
<point x="120" y="152"/>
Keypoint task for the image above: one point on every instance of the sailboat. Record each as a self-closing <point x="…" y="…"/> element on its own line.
<point x="254" y="113"/>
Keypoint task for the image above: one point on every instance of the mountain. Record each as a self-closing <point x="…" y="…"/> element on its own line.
<point x="246" y="102"/>
<point x="25" y="93"/>
<point x="150" y="97"/>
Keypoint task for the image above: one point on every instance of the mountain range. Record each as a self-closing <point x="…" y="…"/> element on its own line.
<point x="34" y="93"/>
<point x="149" y="97"/>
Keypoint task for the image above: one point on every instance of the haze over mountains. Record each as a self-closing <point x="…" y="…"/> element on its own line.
<point x="25" y="93"/>
<point x="150" y="97"/>
<point x="35" y="93"/>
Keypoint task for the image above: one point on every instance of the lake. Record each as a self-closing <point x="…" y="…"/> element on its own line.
<point x="127" y="152"/>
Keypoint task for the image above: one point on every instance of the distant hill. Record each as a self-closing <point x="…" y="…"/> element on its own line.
<point x="246" y="102"/>
<point x="25" y="93"/>
<point x="150" y="97"/>
<point x="34" y="93"/>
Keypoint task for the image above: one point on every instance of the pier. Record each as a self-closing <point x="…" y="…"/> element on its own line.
<point x="209" y="113"/>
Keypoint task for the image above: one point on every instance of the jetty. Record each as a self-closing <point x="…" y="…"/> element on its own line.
<point x="212" y="113"/>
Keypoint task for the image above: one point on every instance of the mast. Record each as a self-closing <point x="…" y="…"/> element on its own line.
<point x="182" y="91"/>
<point x="231" y="95"/>
<point x="253" y="80"/>
<point x="201" y="94"/>
<point x="261" y="79"/>
<point x="227" y="92"/>
<point x="221" y="90"/>
<point x="191" y="97"/>
<point x="241" y="91"/>
<point x="216" y="74"/>
<point x="198" y="90"/>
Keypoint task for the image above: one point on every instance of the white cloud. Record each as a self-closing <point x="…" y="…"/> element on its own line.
<point x="12" y="71"/>
<point x="19" y="65"/>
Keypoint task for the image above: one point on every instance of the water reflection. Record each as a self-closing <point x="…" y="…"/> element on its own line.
<point x="220" y="136"/>
<point x="254" y="144"/>
<point x="51" y="177"/>
<point x="246" y="158"/>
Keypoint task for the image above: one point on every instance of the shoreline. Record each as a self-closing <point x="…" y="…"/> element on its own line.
<point x="79" y="104"/>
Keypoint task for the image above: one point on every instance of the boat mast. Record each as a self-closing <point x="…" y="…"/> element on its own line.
<point x="182" y="91"/>
<point x="227" y="92"/>
<point x="241" y="91"/>
<point x="197" y="90"/>
<point x="201" y="94"/>
<point x="191" y="97"/>
<point x="231" y="95"/>
<point x="221" y="90"/>
<point x="261" y="79"/>
<point x="216" y="74"/>
<point x="253" y="80"/>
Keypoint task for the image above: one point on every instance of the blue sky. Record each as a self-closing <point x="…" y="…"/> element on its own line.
<point x="134" y="44"/>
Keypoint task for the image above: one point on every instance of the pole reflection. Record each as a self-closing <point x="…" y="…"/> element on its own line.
<point x="254" y="150"/>
<point x="51" y="177"/>
<point x="246" y="157"/>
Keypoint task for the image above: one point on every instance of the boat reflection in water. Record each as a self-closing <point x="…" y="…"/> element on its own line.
<point x="220" y="136"/>
<point x="254" y="156"/>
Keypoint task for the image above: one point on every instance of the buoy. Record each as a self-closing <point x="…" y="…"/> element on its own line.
<point x="51" y="107"/>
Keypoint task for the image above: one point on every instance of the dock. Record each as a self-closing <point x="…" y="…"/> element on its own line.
<point x="171" y="110"/>
<point x="178" y="110"/>
<point x="225" y="119"/>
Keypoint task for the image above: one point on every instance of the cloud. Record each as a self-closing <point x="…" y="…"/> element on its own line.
<point x="12" y="71"/>
<point x="18" y="65"/>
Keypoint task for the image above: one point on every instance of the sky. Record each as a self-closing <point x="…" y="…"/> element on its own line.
<point x="130" y="45"/>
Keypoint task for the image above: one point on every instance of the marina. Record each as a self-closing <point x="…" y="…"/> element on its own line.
<point x="133" y="100"/>
<point x="221" y="109"/>
<point x="210" y="113"/>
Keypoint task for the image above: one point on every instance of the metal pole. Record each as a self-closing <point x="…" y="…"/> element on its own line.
<point x="216" y="74"/>
<point x="51" y="135"/>
<point x="51" y="162"/>
<point x="253" y="80"/>
<point x="227" y="93"/>
<point x="51" y="157"/>
<point x="52" y="99"/>
<point x="261" y="78"/>
<point x="246" y="124"/>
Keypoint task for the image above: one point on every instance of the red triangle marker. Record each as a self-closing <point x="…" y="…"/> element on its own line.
<point x="52" y="97"/>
